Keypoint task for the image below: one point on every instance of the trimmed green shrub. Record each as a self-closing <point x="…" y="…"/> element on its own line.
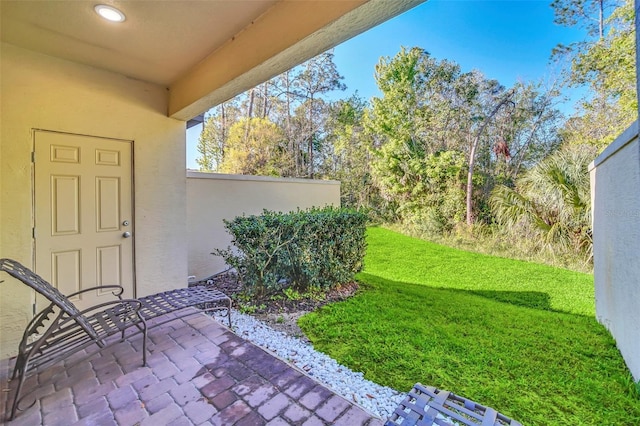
<point x="315" y="248"/>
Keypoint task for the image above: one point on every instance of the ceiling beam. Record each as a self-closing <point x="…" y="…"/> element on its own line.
<point x="286" y="35"/>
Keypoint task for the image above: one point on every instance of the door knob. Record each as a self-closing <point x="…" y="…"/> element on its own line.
<point x="127" y="234"/>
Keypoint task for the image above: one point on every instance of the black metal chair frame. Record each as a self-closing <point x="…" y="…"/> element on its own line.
<point x="61" y="329"/>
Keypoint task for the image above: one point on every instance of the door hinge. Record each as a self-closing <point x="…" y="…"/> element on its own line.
<point x="34" y="309"/>
<point x="33" y="233"/>
<point x="33" y="156"/>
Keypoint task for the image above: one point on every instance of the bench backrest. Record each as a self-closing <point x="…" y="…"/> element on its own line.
<point x="36" y="282"/>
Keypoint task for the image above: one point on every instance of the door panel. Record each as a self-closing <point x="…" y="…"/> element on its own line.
<point x="83" y="198"/>
<point x="108" y="266"/>
<point x="65" y="205"/>
<point x="65" y="271"/>
<point x="107" y="204"/>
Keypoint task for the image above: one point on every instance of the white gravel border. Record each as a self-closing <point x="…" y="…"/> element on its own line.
<point x="377" y="400"/>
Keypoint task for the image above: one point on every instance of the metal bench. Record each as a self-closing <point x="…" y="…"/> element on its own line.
<point x="61" y="329"/>
<point x="426" y="406"/>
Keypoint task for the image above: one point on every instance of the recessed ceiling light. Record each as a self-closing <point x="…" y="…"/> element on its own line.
<point x="109" y="13"/>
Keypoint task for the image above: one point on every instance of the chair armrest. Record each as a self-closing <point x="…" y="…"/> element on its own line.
<point x="99" y="288"/>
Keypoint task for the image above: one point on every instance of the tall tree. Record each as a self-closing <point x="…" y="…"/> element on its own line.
<point x="420" y="127"/>
<point x="210" y="146"/>
<point x="285" y="98"/>
<point x="215" y="129"/>
<point x="535" y="122"/>
<point x="424" y="102"/>
<point x="520" y="130"/>
<point x="346" y="155"/>
<point x="605" y="64"/>
<point x="587" y="14"/>
<point x="295" y="101"/>
<point x="431" y="115"/>
<point x="262" y="151"/>
<point x="503" y="102"/>
<point x="318" y="77"/>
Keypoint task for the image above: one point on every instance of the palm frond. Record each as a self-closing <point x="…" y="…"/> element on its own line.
<point x="553" y="197"/>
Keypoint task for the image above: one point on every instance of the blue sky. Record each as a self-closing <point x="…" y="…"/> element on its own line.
<point x="508" y="40"/>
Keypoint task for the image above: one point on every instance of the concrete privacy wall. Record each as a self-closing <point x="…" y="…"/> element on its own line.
<point x="615" y="195"/>
<point x="212" y="197"/>
<point x="42" y="92"/>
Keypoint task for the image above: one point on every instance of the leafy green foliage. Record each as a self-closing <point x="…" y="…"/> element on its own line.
<point x="210" y="146"/>
<point x="431" y="115"/>
<point x="302" y="250"/>
<point x="215" y="131"/>
<point x="434" y="203"/>
<point x="403" y="156"/>
<point x="347" y="156"/>
<point x="605" y="63"/>
<point x="255" y="146"/>
<point x="416" y="163"/>
<point x="551" y="201"/>
<point x="287" y="114"/>
<point x="609" y="64"/>
<point x="318" y="77"/>
<point x="587" y="14"/>
<point x="516" y="336"/>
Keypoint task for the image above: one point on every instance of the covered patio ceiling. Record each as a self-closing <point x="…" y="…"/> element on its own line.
<point x="203" y="52"/>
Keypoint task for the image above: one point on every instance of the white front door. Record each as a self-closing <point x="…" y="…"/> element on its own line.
<point x="83" y="214"/>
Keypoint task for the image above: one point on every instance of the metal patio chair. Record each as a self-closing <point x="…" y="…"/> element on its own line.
<point x="61" y="329"/>
<point x="427" y="406"/>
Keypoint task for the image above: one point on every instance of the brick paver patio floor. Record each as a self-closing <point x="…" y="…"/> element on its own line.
<point x="199" y="373"/>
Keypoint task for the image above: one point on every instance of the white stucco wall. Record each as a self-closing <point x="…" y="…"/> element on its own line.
<point x="615" y="194"/>
<point x="212" y="197"/>
<point x="42" y="92"/>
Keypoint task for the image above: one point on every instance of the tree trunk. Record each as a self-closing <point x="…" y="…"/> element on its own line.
<point x="292" y="144"/>
<point x="252" y="96"/>
<point x="223" y="133"/>
<point x="516" y="169"/>
<point x="265" y="94"/>
<point x="311" y="131"/>
<point x="601" y="19"/>
<point x="472" y="154"/>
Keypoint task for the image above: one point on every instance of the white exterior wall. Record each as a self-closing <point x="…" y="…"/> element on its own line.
<point x="615" y="194"/>
<point x="41" y="92"/>
<point x="212" y="197"/>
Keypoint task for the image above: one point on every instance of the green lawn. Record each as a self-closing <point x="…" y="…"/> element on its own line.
<point x="517" y="336"/>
